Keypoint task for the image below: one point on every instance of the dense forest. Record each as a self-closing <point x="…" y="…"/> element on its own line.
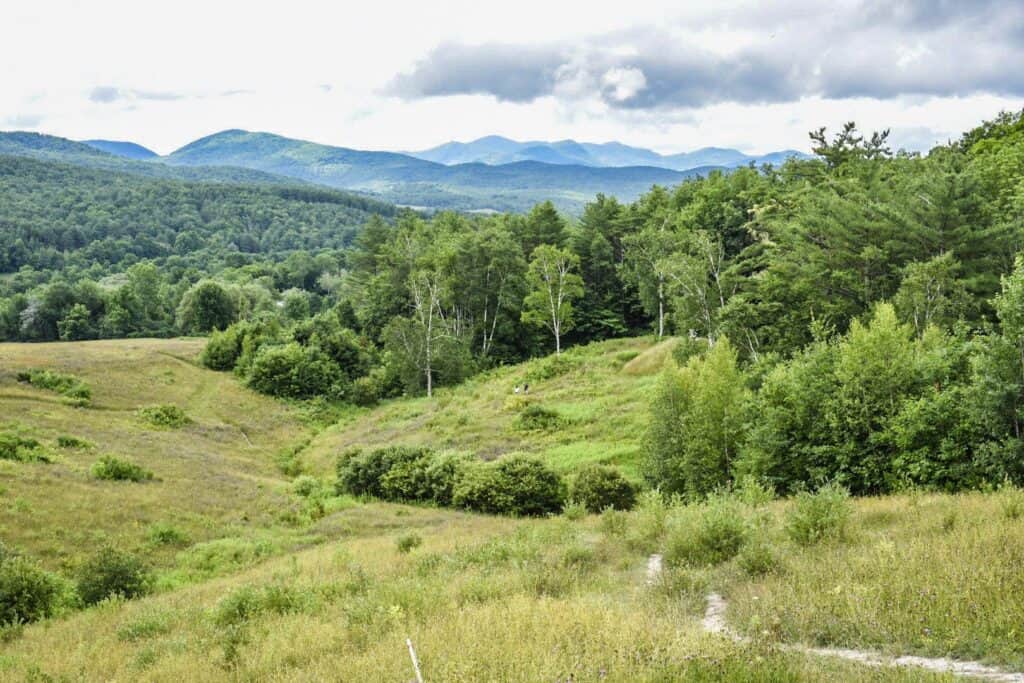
<point x="852" y="317"/>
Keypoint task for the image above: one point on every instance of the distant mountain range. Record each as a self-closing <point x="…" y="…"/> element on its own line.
<point x="568" y="173"/>
<point x="495" y="150"/>
<point x="128" y="150"/>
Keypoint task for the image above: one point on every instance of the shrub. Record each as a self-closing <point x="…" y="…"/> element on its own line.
<point x="114" y="469"/>
<point x="306" y="486"/>
<point x="1011" y="500"/>
<point x="552" y="366"/>
<point x="27" y="592"/>
<point x="649" y="520"/>
<point x="758" y="558"/>
<point x="819" y="516"/>
<point x="574" y="511"/>
<point x="614" y="522"/>
<point x="717" y="534"/>
<point x="599" y="486"/>
<point x="408" y="542"/>
<point x="57" y="382"/>
<point x="361" y="474"/>
<point x="223" y="349"/>
<point x="366" y="391"/>
<point x="248" y="602"/>
<point x="112" y="573"/>
<point x="538" y="418"/>
<point x="21" y="449"/>
<point x="163" y="533"/>
<point x="166" y="416"/>
<point x="65" y="441"/>
<point x="151" y="622"/>
<point x="293" y="371"/>
<point x="513" y="485"/>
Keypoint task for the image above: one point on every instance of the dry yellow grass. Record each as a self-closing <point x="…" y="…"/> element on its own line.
<point x="215" y="476"/>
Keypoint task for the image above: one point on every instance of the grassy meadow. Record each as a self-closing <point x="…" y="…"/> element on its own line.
<point x="253" y="586"/>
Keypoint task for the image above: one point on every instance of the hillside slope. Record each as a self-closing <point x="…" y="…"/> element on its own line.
<point x="597" y="396"/>
<point x="215" y="477"/>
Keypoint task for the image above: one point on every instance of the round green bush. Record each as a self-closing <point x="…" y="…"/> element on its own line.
<point x="293" y="371"/>
<point x="27" y="593"/>
<point x="223" y="348"/>
<point x="513" y="485"/>
<point x="111" y="573"/>
<point x="362" y="474"/>
<point x="366" y="391"/>
<point x="110" y="468"/>
<point x="599" y="487"/>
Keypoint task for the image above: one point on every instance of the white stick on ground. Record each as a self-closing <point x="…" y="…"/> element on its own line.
<point x="415" y="661"/>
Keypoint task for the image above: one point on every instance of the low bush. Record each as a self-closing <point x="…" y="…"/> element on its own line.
<point x="69" y="386"/>
<point x="294" y="371"/>
<point x="165" y="416"/>
<point x="27" y="592"/>
<point x="598" y="487"/>
<point x="819" y="516"/>
<point x="306" y="486"/>
<point x="514" y="485"/>
<point x="709" y="534"/>
<point x="614" y="522"/>
<point x="366" y="391"/>
<point x="21" y="449"/>
<point x="649" y="520"/>
<point x="552" y="366"/>
<point x="66" y="441"/>
<point x="537" y="418"/>
<point x="248" y="602"/>
<point x="166" y="534"/>
<point x="114" y="469"/>
<point x="361" y="473"/>
<point x="574" y="511"/>
<point x="112" y="573"/>
<point x="224" y="347"/>
<point x="408" y="542"/>
<point x="758" y="557"/>
<point x="1011" y="500"/>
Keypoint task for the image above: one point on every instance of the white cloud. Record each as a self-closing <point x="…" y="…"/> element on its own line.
<point x="623" y="83"/>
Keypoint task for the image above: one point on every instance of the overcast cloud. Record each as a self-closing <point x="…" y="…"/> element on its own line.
<point x="408" y="75"/>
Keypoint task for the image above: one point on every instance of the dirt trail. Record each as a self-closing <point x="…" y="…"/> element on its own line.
<point x="714" y="622"/>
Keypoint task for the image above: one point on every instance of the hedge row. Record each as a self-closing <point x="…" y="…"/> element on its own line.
<point x="514" y="485"/>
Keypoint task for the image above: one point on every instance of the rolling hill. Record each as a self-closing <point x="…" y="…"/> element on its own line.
<point x="255" y="579"/>
<point x="128" y="150"/>
<point x="495" y="150"/>
<point x="406" y="180"/>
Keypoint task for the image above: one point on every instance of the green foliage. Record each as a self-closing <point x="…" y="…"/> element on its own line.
<point x="554" y="286"/>
<point x="536" y="417"/>
<point x="111" y="468"/>
<point x="205" y="307"/>
<point x="819" y="516"/>
<point x="165" y="534"/>
<point x="408" y="542"/>
<point x="599" y="487"/>
<point x="66" y="385"/>
<point x="709" y="534"/>
<point x="697" y="423"/>
<point x="27" y="592"/>
<point x="249" y="602"/>
<point x="363" y="474"/>
<point x="21" y="449"/>
<point x="512" y="485"/>
<point x="68" y="441"/>
<point x="112" y="573"/>
<point x="293" y="371"/>
<point x="165" y="416"/>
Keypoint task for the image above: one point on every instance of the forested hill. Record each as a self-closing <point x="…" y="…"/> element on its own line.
<point x="63" y="220"/>
<point x="407" y="180"/>
<point x="95" y="155"/>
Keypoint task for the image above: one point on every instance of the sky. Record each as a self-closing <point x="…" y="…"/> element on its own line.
<point x="670" y="76"/>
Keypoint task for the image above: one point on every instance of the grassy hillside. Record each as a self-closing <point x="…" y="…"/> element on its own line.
<point x="597" y="396"/>
<point x="256" y="588"/>
<point x="214" y="478"/>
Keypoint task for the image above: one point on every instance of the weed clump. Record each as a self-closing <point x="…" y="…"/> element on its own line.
<point x="1011" y="501"/>
<point x="110" y="468"/>
<point x="408" y="542"/>
<point x="22" y="449"/>
<point x="164" y="534"/>
<point x="68" y="386"/>
<point x="819" y="516"/>
<point x="67" y="441"/>
<point x="709" y="534"/>
<point x="598" y="487"/>
<point x="537" y="418"/>
<point x="164" y="416"/>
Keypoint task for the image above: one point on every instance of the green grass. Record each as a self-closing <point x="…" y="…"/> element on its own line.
<point x="261" y="576"/>
<point x="599" y="392"/>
